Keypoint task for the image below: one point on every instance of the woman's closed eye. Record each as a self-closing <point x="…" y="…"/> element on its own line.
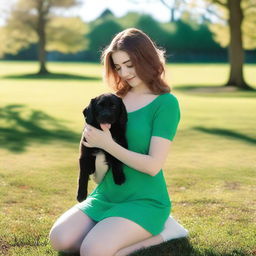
<point x="117" y="68"/>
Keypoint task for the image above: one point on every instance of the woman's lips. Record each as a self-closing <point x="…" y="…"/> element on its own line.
<point x="128" y="80"/>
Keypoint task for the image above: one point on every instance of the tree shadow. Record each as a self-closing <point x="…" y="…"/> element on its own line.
<point x="21" y="126"/>
<point x="227" y="133"/>
<point x="215" y="90"/>
<point x="53" y="76"/>
<point x="176" y="247"/>
<point x="68" y="254"/>
<point x="183" y="247"/>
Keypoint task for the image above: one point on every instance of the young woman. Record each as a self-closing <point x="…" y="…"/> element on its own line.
<point x="114" y="219"/>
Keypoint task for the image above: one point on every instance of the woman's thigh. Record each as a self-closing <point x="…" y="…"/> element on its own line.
<point x="70" y="229"/>
<point x="110" y="235"/>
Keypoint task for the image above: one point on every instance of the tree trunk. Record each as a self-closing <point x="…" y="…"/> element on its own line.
<point x="42" y="38"/>
<point x="171" y="8"/>
<point x="172" y="11"/>
<point x="235" y="50"/>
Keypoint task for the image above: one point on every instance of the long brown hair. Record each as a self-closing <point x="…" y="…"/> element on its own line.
<point x="147" y="59"/>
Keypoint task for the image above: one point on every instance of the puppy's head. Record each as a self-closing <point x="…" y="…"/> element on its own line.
<point x="105" y="109"/>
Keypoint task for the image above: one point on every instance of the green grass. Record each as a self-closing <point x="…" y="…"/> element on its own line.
<point x="210" y="171"/>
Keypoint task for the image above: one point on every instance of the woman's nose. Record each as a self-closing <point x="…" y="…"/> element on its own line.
<point x="124" y="72"/>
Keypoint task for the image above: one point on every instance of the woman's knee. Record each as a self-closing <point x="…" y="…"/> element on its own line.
<point x="95" y="248"/>
<point x="61" y="240"/>
<point x="69" y="230"/>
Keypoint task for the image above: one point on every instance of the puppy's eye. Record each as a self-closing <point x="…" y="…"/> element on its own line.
<point x="111" y="105"/>
<point x="101" y="104"/>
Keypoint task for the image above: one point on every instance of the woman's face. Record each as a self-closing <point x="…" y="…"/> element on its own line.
<point x="125" y="68"/>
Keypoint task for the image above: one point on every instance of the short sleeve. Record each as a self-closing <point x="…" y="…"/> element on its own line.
<point x="166" y="118"/>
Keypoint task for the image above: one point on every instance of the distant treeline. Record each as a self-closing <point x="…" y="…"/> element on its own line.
<point x="183" y="40"/>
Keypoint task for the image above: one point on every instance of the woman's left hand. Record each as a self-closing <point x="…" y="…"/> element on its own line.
<point x="97" y="138"/>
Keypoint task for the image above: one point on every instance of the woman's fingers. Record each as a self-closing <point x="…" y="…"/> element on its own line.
<point x="86" y="144"/>
<point x="87" y="129"/>
<point x="96" y="137"/>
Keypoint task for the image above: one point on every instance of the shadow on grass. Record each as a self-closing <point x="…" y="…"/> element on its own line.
<point x="53" y="76"/>
<point x="215" y="90"/>
<point x="23" y="126"/>
<point x="68" y="254"/>
<point x="227" y="133"/>
<point x="177" y="247"/>
<point x="182" y="247"/>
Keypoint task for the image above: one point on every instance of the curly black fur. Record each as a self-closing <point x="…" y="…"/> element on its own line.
<point x="106" y="108"/>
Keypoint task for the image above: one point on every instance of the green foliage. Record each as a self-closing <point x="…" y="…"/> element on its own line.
<point x="153" y="28"/>
<point x="70" y="35"/>
<point x="221" y="33"/>
<point x="101" y="34"/>
<point x="65" y="34"/>
<point x="249" y="27"/>
<point x="220" y="28"/>
<point x="65" y="3"/>
<point x="106" y="14"/>
<point x="19" y="32"/>
<point x="188" y="38"/>
<point x="129" y="20"/>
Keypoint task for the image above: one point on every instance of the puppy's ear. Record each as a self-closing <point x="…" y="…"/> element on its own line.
<point x="89" y="112"/>
<point x="123" y="113"/>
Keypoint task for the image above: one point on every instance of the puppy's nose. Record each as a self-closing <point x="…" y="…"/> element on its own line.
<point x="106" y="115"/>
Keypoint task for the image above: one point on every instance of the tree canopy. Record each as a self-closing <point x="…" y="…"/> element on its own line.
<point x="45" y="23"/>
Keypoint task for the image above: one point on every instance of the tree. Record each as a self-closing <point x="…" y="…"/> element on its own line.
<point x="235" y="26"/>
<point x="41" y="21"/>
<point x="101" y="32"/>
<point x="152" y="28"/>
<point x="129" y="20"/>
<point x="173" y="6"/>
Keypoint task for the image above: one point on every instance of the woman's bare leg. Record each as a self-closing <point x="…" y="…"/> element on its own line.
<point x="172" y="230"/>
<point x="70" y="229"/>
<point x="108" y="236"/>
<point x="154" y="240"/>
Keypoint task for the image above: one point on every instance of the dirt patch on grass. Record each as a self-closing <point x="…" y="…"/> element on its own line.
<point x="232" y="185"/>
<point x="4" y="247"/>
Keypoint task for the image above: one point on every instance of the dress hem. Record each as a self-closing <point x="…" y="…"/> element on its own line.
<point x="153" y="233"/>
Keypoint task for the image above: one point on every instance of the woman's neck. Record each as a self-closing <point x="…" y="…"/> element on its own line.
<point x="140" y="90"/>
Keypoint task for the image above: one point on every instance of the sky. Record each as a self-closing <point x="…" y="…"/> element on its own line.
<point x="91" y="9"/>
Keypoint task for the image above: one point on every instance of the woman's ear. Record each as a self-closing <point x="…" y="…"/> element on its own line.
<point x="88" y="112"/>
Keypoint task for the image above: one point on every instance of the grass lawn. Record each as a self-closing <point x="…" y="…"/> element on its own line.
<point x="210" y="171"/>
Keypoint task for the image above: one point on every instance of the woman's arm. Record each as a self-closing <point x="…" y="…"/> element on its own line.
<point x="150" y="164"/>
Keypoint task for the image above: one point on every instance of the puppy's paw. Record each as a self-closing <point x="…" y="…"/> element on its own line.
<point x="80" y="198"/>
<point x="120" y="179"/>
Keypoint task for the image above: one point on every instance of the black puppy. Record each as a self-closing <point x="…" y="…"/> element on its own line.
<point x="104" y="109"/>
